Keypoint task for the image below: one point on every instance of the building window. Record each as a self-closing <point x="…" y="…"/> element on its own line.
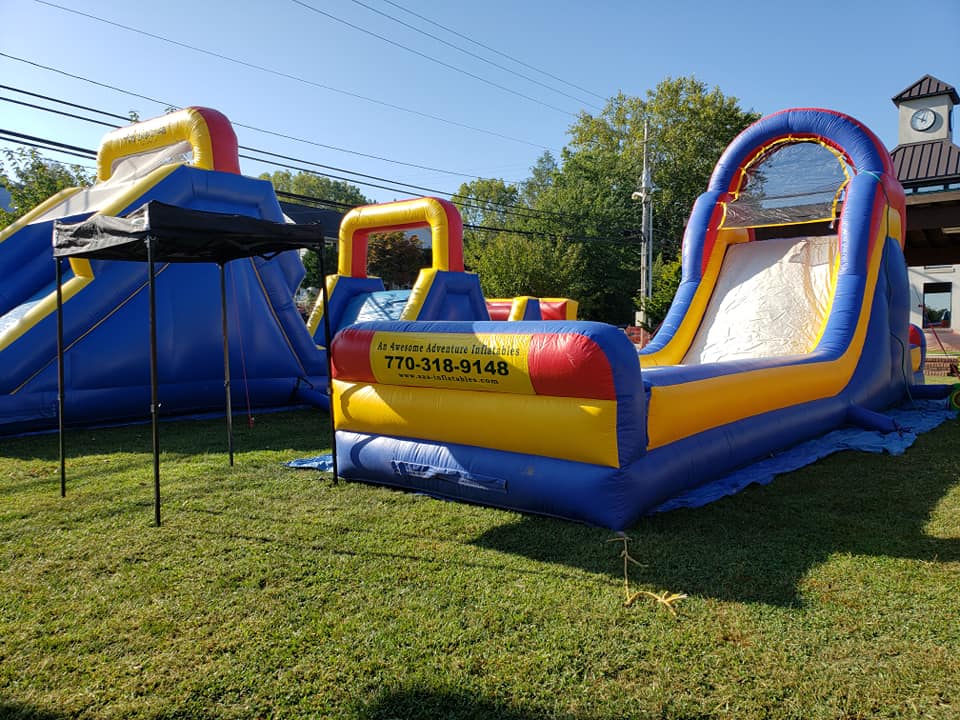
<point x="937" y="303"/>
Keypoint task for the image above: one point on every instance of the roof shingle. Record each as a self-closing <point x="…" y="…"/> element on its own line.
<point x="926" y="162"/>
<point x="927" y="86"/>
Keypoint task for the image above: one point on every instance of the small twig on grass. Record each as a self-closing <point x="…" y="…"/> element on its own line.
<point x="666" y="598"/>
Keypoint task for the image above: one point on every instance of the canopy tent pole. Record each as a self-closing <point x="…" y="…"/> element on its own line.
<point x="60" y="383"/>
<point x="157" y="232"/>
<point x="326" y="334"/>
<point x="154" y="404"/>
<point x="226" y="360"/>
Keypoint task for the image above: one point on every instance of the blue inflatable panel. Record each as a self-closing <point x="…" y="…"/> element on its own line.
<point x="544" y="486"/>
<point x="273" y="359"/>
<point x="382" y="305"/>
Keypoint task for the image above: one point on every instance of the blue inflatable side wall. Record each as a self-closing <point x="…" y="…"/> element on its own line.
<point x="106" y="323"/>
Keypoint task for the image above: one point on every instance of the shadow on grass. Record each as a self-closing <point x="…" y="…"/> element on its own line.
<point x="758" y="545"/>
<point x="271" y="430"/>
<point x="430" y="704"/>
<point x="21" y="711"/>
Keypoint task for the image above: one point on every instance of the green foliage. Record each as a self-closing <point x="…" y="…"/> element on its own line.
<point x="311" y="263"/>
<point x="587" y="196"/>
<point x="395" y="257"/>
<point x="316" y="186"/>
<point x="666" y="280"/>
<point x="486" y="202"/>
<point x="30" y="179"/>
<point x="691" y="126"/>
<point x="308" y="185"/>
<point x="542" y="175"/>
<point x="512" y="265"/>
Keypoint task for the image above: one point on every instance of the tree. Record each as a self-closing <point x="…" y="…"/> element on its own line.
<point x="512" y="265"/>
<point x="487" y="203"/>
<point x="317" y="191"/>
<point x="311" y="263"/>
<point x="395" y="257"/>
<point x="542" y="175"/>
<point x="590" y="194"/>
<point x="691" y="127"/>
<point x="689" y="124"/>
<point x="30" y="179"/>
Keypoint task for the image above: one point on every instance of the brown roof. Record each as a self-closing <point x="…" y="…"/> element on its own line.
<point x="927" y="86"/>
<point x="926" y="162"/>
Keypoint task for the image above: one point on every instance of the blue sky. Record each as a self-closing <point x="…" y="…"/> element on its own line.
<point x="849" y="56"/>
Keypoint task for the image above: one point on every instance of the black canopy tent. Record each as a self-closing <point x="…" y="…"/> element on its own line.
<point x="157" y="232"/>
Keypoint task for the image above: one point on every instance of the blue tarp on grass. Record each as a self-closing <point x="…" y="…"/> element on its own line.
<point x="914" y="419"/>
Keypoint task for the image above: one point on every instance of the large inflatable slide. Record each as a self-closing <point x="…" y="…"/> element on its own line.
<point x="189" y="159"/>
<point x="791" y="320"/>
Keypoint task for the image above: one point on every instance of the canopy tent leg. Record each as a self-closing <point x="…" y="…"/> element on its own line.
<point x="60" y="382"/>
<point x="226" y="361"/>
<point x="154" y="403"/>
<point x="326" y="334"/>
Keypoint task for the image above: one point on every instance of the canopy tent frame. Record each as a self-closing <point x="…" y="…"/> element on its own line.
<point x="157" y="232"/>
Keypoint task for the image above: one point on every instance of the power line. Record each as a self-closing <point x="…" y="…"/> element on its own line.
<point x="295" y="78"/>
<point x="493" y="50"/>
<point x="58" y="112"/>
<point x="28" y="141"/>
<point x="86" y="153"/>
<point x="236" y="124"/>
<point x="628" y="240"/>
<point x="309" y="198"/>
<point x="364" y="183"/>
<point x="84" y="79"/>
<point x="404" y="189"/>
<point x="474" y="55"/>
<point x="360" y="154"/>
<point x="518" y="211"/>
<point x="431" y="58"/>
<point x="63" y="102"/>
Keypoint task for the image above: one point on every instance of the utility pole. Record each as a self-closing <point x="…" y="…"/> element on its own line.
<point x="645" y="196"/>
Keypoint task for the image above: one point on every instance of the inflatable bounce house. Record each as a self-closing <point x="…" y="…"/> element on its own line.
<point x="791" y="320"/>
<point x="442" y="292"/>
<point x="187" y="159"/>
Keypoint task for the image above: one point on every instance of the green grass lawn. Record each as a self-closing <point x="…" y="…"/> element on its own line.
<point x="267" y="592"/>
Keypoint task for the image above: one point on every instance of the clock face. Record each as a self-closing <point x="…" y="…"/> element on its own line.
<point x="923" y="120"/>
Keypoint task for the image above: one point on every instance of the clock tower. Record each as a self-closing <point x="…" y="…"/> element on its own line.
<point x="925" y="111"/>
<point x="925" y="157"/>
